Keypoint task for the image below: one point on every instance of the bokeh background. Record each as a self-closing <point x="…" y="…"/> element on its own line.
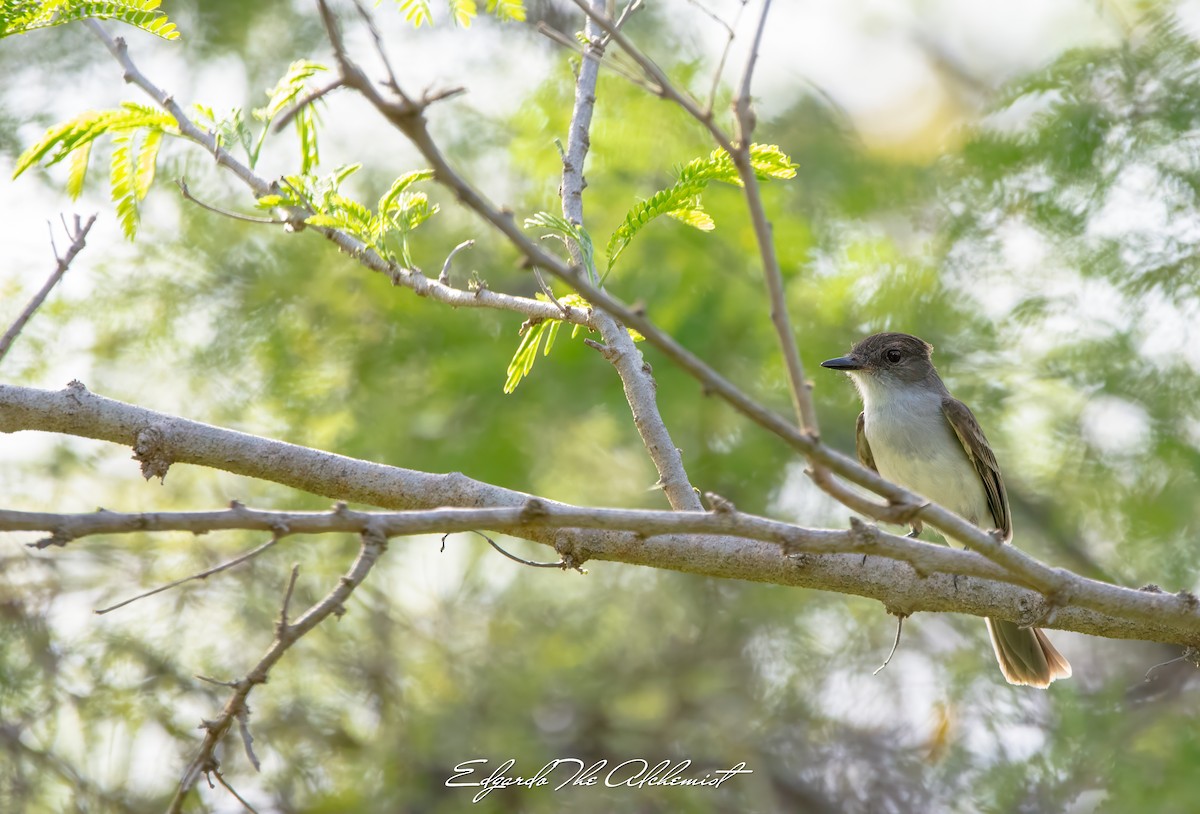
<point x="1017" y="183"/>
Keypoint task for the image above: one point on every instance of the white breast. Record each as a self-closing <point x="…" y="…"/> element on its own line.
<point x="914" y="446"/>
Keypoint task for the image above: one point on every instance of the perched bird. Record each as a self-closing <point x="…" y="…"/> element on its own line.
<point x="915" y="434"/>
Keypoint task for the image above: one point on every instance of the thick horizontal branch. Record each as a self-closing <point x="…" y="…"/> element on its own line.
<point x="906" y="575"/>
<point x="533" y="514"/>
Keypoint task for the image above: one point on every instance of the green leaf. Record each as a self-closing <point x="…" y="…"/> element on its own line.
<point x="416" y="12"/>
<point x="121" y="177"/>
<point x="306" y="128"/>
<point x="325" y="220"/>
<point x="695" y="217"/>
<point x="146" y="161"/>
<point x="463" y="11"/>
<point x="70" y="135"/>
<point x="400" y="185"/>
<point x="508" y="10"/>
<point x="771" y="162"/>
<point x="569" y="233"/>
<point x="78" y="171"/>
<point x="682" y="201"/>
<point x="531" y="339"/>
<point x="290" y="86"/>
<point x="131" y="172"/>
<point x="343" y="172"/>
<point x="21" y="17"/>
<point x="287" y="91"/>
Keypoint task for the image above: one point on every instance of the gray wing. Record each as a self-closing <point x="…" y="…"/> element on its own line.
<point x="970" y="435"/>
<point x="860" y="443"/>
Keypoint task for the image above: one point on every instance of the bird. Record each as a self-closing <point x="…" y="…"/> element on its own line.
<point x="914" y="433"/>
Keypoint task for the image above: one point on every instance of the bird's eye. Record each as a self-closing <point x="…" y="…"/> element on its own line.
<point x="893" y="356"/>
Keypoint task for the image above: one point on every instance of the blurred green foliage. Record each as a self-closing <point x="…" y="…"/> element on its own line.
<point x="1049" y="256"/>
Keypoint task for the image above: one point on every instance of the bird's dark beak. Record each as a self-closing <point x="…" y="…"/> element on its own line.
<point x="842" y="363"/>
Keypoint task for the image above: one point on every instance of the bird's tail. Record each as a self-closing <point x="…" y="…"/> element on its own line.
<point x="1026" y="655"/>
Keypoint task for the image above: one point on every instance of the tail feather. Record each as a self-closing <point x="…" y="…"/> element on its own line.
<point x="1026" y="655"/>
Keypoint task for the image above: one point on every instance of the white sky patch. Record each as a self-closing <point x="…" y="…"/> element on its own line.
<point x="1024" y="256"/>
<point x="1142" y="211"/>
<point x="1187" y="14"/>
<point x="1017" y="117"/>
<point x="1168" y="331"/>
<point x="874" y="57"/>
<point x="1029" y="426"/>
<point x="798" y="499"/>
<point x="1134" y="204"/>
<point x="1115" y="426"/>
<point x="904" y="695"/>
<point x="1084" y="308"/>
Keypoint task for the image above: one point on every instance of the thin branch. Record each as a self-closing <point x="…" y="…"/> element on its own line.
<point x="369" y="20"/>
<point x="731" y="31"/>
<point x="249" y="555"/>
<point x="230" y="789"/>
<point x="895" y="645"/>
<point x="236" y="707"/>
<point x="630" y="9"/>
<point x="287" y="595"/>
<point x="243" y="722"/>
<point x="307" y="99"/>
<point x="188" y="196"/>
<point x="902" y="514"/>
<point x="663" y="85"/>
<point x="571" y="44"/>
<point x="561" y="564"/>
<point x="444" y="277"/>
<point x="806" y="414"/>
<point x="78" y="237"/>
<point x="741" y="105"/>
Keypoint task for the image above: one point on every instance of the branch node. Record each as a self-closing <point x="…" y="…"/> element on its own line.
<point x="59" y="538"/>
<point x="720" y="505"/>
<point x="75" y="390"/>
<point x="609" y="353"/>
<point x="477" y="285"/>
<point x="151" y="450"/>
<point x="533" y="510"/>
<point x="569" y="561"/>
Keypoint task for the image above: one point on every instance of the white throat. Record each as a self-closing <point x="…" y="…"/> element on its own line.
<point x="914" y="445"/>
